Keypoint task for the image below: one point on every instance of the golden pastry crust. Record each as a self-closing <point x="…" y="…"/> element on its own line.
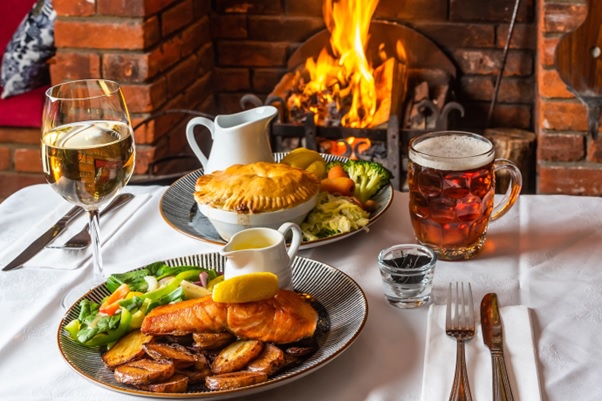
<point x="256" y="187"/>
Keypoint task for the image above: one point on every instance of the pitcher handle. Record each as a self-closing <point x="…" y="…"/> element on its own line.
<point x="192" y="140"/>
<point x="511" y="195"/>
<point x="296" y="240"/>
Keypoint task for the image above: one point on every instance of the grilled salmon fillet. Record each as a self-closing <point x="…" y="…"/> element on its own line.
<point x="282" y="319"/>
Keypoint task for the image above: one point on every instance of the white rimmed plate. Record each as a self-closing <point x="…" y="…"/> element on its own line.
<point x="180" y="211"/>
<point x="343" y="300"/>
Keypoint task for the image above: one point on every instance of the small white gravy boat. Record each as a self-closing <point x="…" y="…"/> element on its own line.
<point x="262" y="249"/>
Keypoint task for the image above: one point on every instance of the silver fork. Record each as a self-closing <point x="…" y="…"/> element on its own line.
<point x="460" y="324"/>
<point x="82" y="239"/>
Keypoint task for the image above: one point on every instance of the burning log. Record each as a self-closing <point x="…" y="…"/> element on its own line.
<point x="430" y="89"/>
<point x="340" y="86"/>
<point x="391" y="86"/>
<point x="332" y="105"/>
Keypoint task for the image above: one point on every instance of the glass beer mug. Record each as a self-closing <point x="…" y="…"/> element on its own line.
<point x="451" y="177"/>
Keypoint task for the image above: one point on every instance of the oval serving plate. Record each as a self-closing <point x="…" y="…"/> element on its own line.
<point x="180" y="210"/>
<point x="344" y="301"/>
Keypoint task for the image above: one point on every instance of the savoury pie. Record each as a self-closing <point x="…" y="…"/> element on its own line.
<point x="256" y="188"/>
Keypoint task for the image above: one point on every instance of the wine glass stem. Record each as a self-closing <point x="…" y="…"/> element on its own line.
<point x="95" y="238"/>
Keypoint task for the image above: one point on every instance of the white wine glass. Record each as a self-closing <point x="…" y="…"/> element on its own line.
<point x="88" y="153"/>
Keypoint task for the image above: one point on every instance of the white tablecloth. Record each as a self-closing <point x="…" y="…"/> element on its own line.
<point x="545" y="254"/>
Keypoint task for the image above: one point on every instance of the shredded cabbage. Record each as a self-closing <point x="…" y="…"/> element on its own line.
<point x="333" y="215"/>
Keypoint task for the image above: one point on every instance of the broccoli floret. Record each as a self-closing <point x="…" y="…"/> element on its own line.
<point x="368" y="176"/>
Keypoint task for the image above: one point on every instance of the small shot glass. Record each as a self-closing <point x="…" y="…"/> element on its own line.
<point x="407" y="272"/>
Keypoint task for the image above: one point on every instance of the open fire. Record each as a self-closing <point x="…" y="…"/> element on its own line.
<point x="341" y="87"/>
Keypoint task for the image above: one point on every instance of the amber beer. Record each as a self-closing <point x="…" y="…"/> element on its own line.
<point x="451" y="177"/>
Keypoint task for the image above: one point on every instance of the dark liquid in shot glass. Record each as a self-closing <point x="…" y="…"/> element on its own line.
<point x="408" y="261"/>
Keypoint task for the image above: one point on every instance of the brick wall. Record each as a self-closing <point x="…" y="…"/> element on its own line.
<point x="20" y="163"/>
<point x="569" y="160"/>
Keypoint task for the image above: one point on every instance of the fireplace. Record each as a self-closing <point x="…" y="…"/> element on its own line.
<point x="414" y="82"/>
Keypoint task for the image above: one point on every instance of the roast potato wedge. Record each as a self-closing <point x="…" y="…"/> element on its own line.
<point x="197" y="373"/>
<point x="128" y="348"/>
<point x="143" y="372"/>
<point x="236" y="356"/>
<point x="211" y="341"/>
<point x="269" y="361"/>
<point x="233" y="380"/>
<point x="194" y="377"/>
<point x="184" y="340"/>
<point x="178" y="354"/>
<point x="178" y="383"/>
<point x="202" y="364"/>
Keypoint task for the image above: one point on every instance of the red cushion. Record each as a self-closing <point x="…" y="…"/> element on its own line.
<point x="12" y="13"/>
<point x="23" y="110"/>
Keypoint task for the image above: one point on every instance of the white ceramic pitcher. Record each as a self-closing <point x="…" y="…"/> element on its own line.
<point x="240" y="138"/>
<point x="262" y="249"/>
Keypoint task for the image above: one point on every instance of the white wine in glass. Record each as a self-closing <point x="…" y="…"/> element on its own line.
<point x="88" y="152"/>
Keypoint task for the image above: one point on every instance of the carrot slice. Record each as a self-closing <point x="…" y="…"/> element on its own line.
<point x="111" y="304"/>
<point x="340" y="185"/>
<point x="337" y="171"/>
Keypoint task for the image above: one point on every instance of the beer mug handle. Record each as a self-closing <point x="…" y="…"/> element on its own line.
<point x="511" y="195"/>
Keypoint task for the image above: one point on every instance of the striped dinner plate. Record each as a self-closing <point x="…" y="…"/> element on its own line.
<point x="342" y="307"/>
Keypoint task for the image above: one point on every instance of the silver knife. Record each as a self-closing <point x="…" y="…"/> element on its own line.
<point x="491" y="324"/>
<point x="44" y="239"/>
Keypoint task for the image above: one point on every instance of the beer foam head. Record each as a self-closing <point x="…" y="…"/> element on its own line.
<point x="452" y="152"/>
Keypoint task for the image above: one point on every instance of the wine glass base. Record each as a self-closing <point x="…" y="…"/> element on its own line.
<point x="76" y="292"/>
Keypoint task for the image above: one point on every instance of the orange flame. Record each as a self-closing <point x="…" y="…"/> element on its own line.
<point x="346" y="75"/>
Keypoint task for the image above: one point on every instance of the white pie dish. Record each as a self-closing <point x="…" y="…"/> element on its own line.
<point x="227" y="223"/>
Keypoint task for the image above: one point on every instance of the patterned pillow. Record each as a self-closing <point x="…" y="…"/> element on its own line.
<point x="24" y="64"/>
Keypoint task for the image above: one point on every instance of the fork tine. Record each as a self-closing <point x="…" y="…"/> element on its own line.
<point x="460" y="301"/>
<point x="455" y="300"/>
<point x="464" y="306"/>
<point x="448" y="310"/>
<point x="467" y="308"/>
<point x="471" y="322"/>
<point x="460" y="307"/>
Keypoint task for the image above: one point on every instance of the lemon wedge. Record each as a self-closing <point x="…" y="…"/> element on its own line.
<point x="246" y="288"/>
<point x="214" y="281"/>
<point x="301" y="157"/>
<point x="318" y="168"/>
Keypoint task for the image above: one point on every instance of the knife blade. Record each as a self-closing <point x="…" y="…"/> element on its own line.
<point x="43" y="239"/>
<point x="493" y="337"/>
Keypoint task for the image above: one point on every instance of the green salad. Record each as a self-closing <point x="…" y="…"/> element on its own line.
<point x="133" y="295"/>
